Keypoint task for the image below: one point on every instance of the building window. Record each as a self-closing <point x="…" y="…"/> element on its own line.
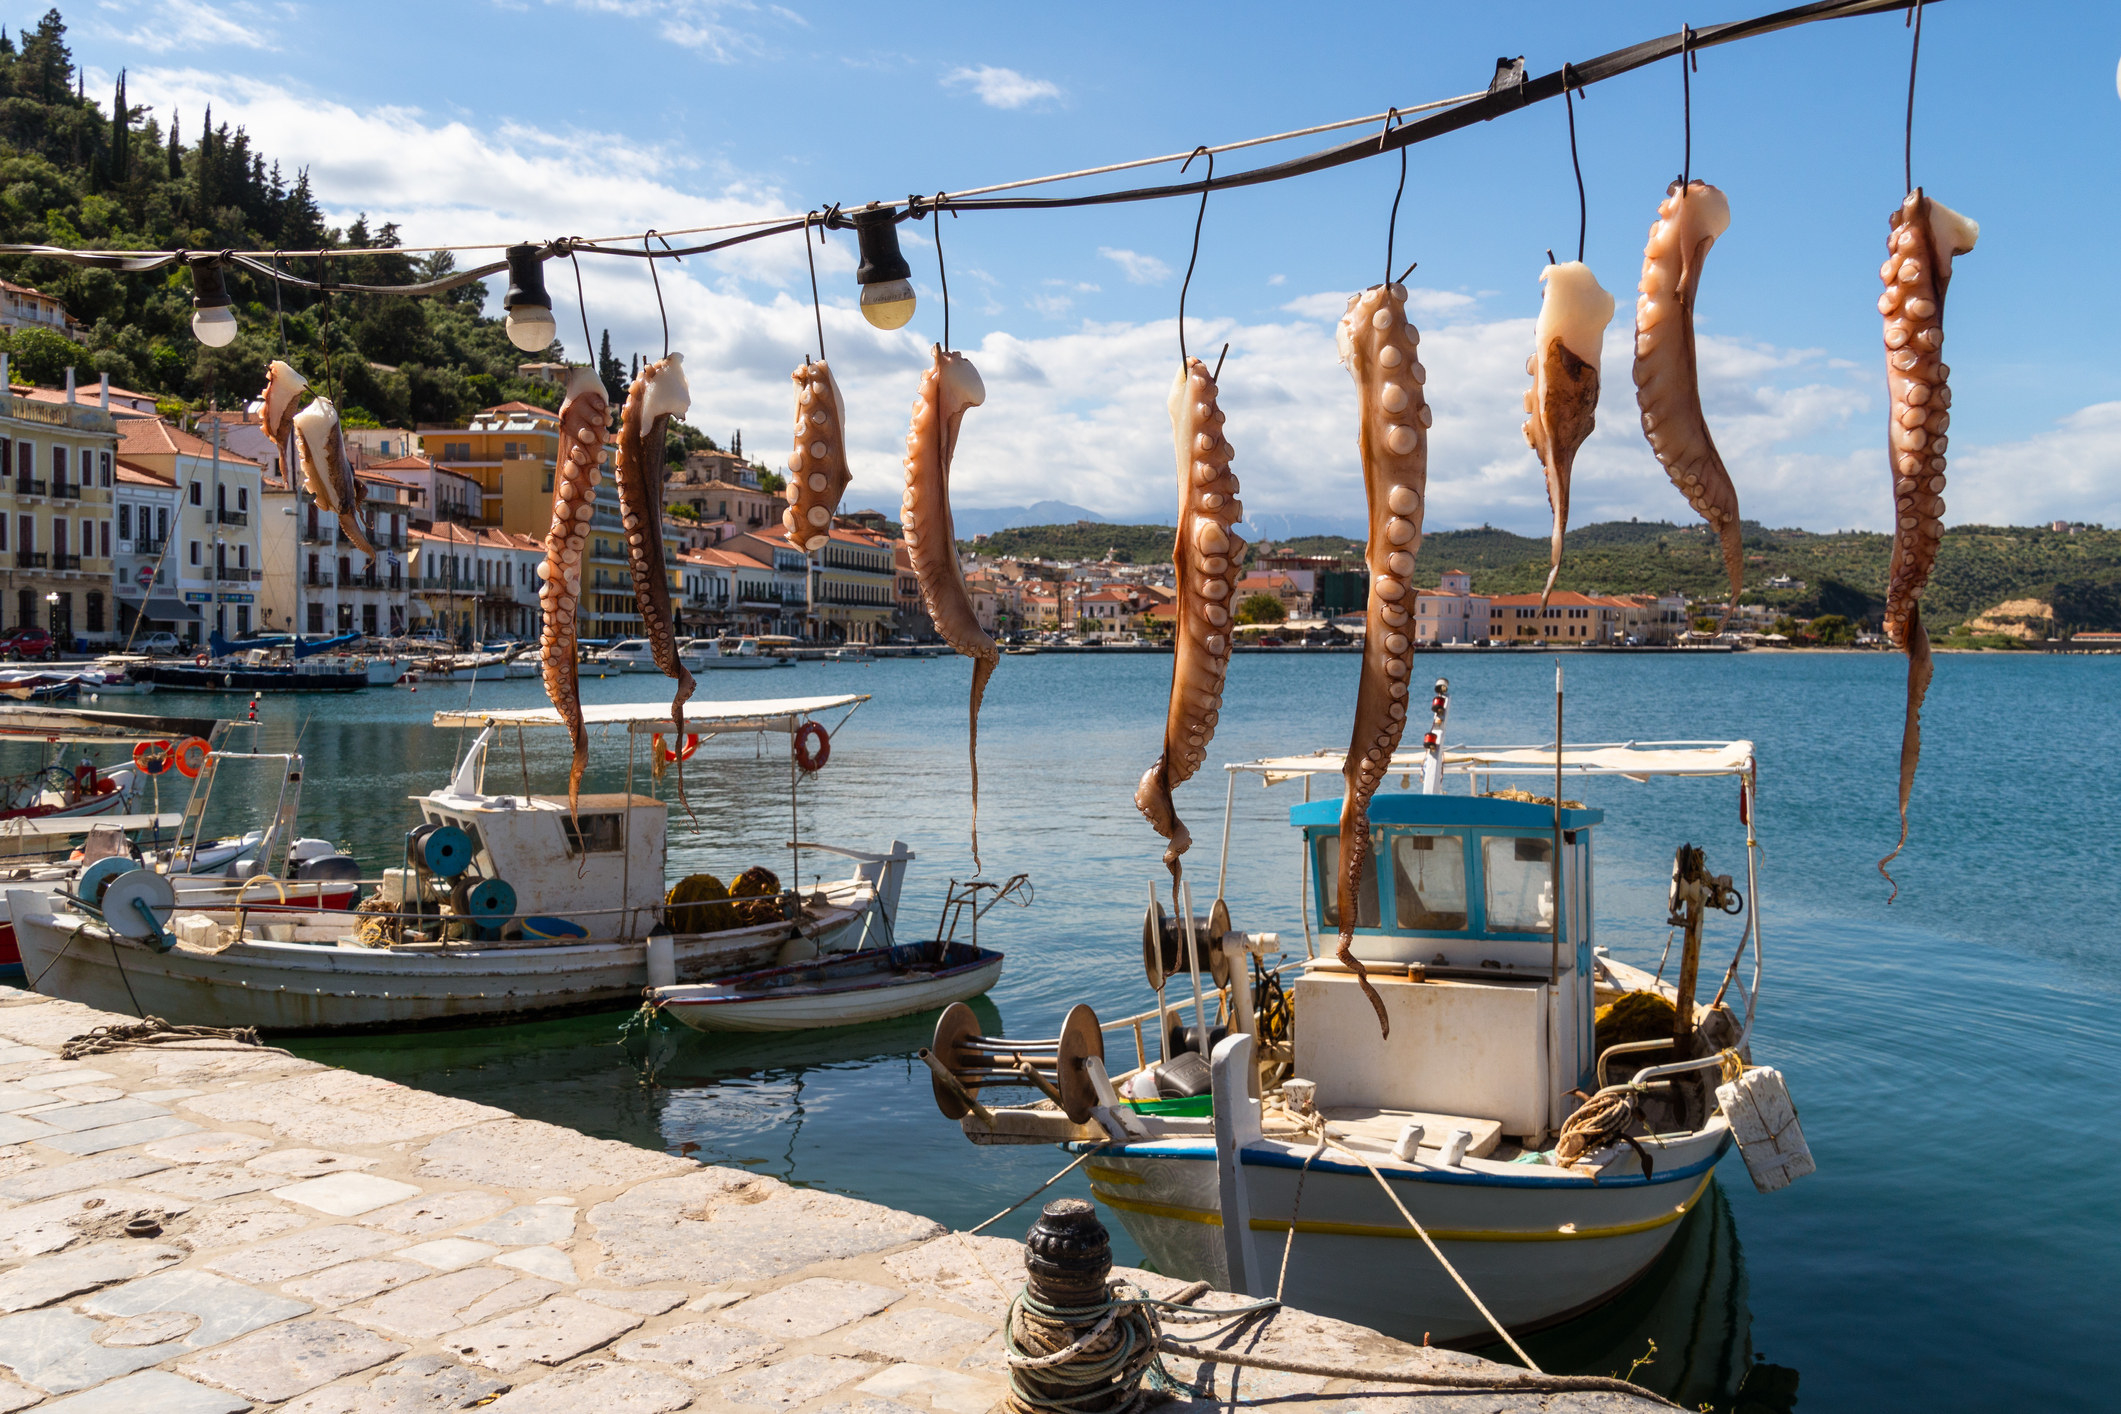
<point x="195" y="547"/>
<point x="95" y="611"/>
<point x="242" y="498"/>
<point x="198" y="494"/>
<point x="105" y="538"/>
<point x="58" y="466"/>
<point x="161" y="522"/>
<point x="242" y="557"/>
<point x="88" y="467"/>
<point x="316" y="618"/>
<point x="103" y="468"/>
<point x="58" y="536"/>
<point x="25" y="460"/>
<point x="125" y="522"/>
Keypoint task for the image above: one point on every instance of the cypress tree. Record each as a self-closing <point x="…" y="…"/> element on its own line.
<point x="120" y="156"/>
<point x="176" y="149"/>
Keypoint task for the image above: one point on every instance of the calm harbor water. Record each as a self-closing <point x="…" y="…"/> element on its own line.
<point x="1953" y="1054"/>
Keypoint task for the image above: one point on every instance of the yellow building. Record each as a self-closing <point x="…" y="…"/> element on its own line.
<point x="510" y="450"/>
<point x="57" y="458"/>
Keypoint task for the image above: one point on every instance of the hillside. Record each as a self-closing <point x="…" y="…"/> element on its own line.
<point x="1978" y="566"/>
<point x="75" y="172"/>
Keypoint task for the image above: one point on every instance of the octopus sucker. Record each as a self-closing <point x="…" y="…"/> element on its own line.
<point x="277" y="403"/>
<point x="329" y="470"/>
<point x="1378" y="345"/>
<point x="1667" y="382"/>
<point x="658" y="395"/>
<point x="1206" y="552"/>
<point x="1563" y="398"/>
<point x="949" y="387"/>
<point x="1924" y="237"/>
<point x="585" y="416"/>
<point x="817" y="469"/>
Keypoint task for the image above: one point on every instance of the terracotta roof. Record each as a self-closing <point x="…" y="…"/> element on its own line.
<point x="1564" y="598"/>
<point x="139" y="475"/>
<point x="448" y="534"/>
<point x="415" y="462"/>
<point x="730" y="559"/>
<point x="156" y="436"/>
<point x="371" y="474"/>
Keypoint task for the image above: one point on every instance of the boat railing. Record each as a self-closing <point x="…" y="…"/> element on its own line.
<point x="1141" y="1050"/>
<point x="1627" y="1048"/>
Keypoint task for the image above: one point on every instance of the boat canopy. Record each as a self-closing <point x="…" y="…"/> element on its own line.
<point x="54" y="724"/>
<point x="1636" y="760"/>
<point x="52" y="825"/>
<point x="767" y="714"/>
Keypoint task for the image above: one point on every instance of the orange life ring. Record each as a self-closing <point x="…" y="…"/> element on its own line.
<point x="684" y="753"/>
<point x="191" y="756"/>
<point x="203" y="659"/>
<point x="154" y="757"/>
<point x="813" y="748"/>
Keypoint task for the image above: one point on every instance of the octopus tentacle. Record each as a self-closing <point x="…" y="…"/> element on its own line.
<point x="659" y="394"/>
<point x="817" y="469"/>
<point x="329" y="470"/>
<point x="949" y="387"/>
<point x="1925" y="236"/>
<point x="277" y="404"/>
<point x="1206" y="552"/>
<point x="1379" y="347"/>
<point x="585" y="416"/>
<point x="1563" y="398"/>
<point x="1667" y="383"/>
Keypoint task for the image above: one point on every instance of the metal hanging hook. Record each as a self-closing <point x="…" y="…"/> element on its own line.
<point x="1198" y="218"/>
<point x="1569" y="94"/>
<point x="1392" y="226"/>
<point x="815" y="309"/>
<point x="1688" y="63"/>
<point x="581" y="305"/>
<point x="941" y="271"/>
<point x="657" y="280"/>
<point x="1907" y="151"/>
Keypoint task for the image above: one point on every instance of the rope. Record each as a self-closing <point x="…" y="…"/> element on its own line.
<point x="1601" y="1120"/>
<point x="154" y="1031"/>
<point x="1527" y="1383"/>
<point x="1092" y="1359"/>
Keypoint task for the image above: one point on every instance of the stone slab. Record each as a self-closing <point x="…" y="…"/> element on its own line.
<point x="119" y="1136"/>
<point x="92" y="1094"/>
<point x="435" y="1212"/>
<point x="342" y="1107"/>
<point x="347" y="1195"/>
<point x="721" y="1224"/>
<point x="526" y="1153"/>
<point x="84" y="1173"/>
<point x="641" y="1303"/>
<point x="53" y="1223"/>
<point x="308" y="1163"/>
<point x="448" y="1253"/>
<point x="226" y="1309"/>
<point x="212" y="1146"/>
<point x="605" y="1389"/>
<point x="51" y="1024"/>
<point x="304" y="1252"/>
<point x="549" y="1333"/>
<point x="795" y="1381"/>
<point x="59" y="1077"/>
<point x="950" y="1391"/>
<point x="355" y="1281"/>
<point x="54" y="1278"/>
<point x="807" y="1308"/>
<point x="424" y="1384"/>
<point x="982" y="1274"/>
<point x="151" y="1390"/>
<point x="869" y="1404"/>
<point x="547" y="1262"/>
<point x="14" y="1396"/>
<point x="219" y="1225"/>
<point x="55" y="1349"/>
<point x="208" y="1182"/>
<point x="423" y="1310"/>
<point x="535" y="1223"/>
<point x="700" y="1348"/>
<point x="17" y="1129"/>
<point x="921" y="1329"/>
<point x="292" y="1359"/>
<point x="71" y="1119"/>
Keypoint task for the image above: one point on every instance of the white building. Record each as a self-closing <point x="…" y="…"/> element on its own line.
<point x="1452" y="612"/>
<point x="476" y="585"/>
<point x="213" y="561"/>
<point x="147" y="507"/>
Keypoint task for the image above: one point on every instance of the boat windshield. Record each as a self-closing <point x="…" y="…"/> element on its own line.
<point x="1329" y="891"/>
<point x="1519" y="871"/>
<point x="1429" y="882"/>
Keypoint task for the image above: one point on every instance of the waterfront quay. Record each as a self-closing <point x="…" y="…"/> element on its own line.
<point x="210" y="1227"/>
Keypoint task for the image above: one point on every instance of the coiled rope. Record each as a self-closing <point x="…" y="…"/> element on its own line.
<point x="1601" y="1120"/>
<point x="154" y="1031"/>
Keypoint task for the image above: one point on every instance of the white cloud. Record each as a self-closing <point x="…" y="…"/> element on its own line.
<point x="164" y="26"/>
<point x="2070" y="473"/>
<point x="1002" y="88"/>
<point x="1138" y="268"/>
<point x="1331" y="304"/>
<point x="694" y="24"/>
<point x="1277" y="279"/>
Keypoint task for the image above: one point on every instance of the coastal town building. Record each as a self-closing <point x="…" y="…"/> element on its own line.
<point x="1452" y="612"/>
<point x="24" y="308"/>
<point x="507" y="453"/>
<point x="316" y="580"/>
<point x="854" y="586"/>
<point x="146" y="504"/>
<point x="774" y="597"/>
<point x="57" y="462"/>
<point x="910" y="618"/>
<point x="474" y="586"/>
<point x="213" y="563"/>
<point x="1567" y="617"/>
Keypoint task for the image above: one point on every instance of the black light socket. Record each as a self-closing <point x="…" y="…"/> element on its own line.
<point x="876" y="227"/>
<point x="526" y="278"/>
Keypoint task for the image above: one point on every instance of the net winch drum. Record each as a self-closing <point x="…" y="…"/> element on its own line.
<point x="137" y="904"/>
<point x="974" y="1060"/>
<point x="445" y="851"/>
<point x="1164" y="945"/>
<point x="96" y="878"/>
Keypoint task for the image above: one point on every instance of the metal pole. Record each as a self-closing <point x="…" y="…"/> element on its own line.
<point x="1303" y="883"/>
<point x="795" y="829"/>
<point x="1554" y="949"/>
<point x="1200" y="1007"/>
<point x="1222" y="869"/>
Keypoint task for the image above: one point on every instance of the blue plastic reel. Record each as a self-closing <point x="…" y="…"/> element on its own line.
<point x="89" y="887"/>
<point x="491" y="899"/>
<point x="446" y="852"/>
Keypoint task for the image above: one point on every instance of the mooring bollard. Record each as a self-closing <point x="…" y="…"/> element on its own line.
<point x="1072" y="1348"/>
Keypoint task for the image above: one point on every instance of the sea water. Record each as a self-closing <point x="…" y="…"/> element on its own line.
<point x="1952" y="1054"/>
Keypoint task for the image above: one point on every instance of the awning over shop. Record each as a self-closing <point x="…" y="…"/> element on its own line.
<point x="167" y="609"/>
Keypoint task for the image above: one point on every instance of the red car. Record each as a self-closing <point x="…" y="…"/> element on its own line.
<point x="29" y="642"/>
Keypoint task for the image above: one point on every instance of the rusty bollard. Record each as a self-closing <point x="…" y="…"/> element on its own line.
<point x="1068" y="1261"/>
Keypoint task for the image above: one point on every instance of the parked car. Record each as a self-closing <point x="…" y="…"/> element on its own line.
<point x="28" y="642"/>
<point x="161" y="645"/>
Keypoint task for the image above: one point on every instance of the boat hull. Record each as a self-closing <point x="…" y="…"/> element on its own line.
<point x="1537" y="1250"/>
<point x="847" y="1006"/>
<point x="192" y="678"/>
<point x="324" y="986"/>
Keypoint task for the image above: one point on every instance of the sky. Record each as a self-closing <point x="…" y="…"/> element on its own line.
<point x="499" y="120"/>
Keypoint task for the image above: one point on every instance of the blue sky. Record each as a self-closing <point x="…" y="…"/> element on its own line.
<point x="473" y="121"/>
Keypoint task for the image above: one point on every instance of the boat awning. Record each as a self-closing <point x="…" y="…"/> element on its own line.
<point x="82" y="824"/>
<point x="767" y="714"/>
<point x="65" y="724"/>
<point x="1637" y="761"/>
<point x="165" y="609"/>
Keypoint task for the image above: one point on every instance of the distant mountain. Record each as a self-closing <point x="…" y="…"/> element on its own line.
<point x="985" y="520"/>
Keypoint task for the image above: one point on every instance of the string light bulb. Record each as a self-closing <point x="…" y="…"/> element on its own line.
<point x="530" y="323"/>
<point x="885" y="277"/>
<point x="213" y="323"/>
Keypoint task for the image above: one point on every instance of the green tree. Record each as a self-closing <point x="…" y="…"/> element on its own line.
<point x="1261" y="609"/>
<point x="1832" y="628"/>
<point x="43" y="355"/>
<point x="611" y="372"/>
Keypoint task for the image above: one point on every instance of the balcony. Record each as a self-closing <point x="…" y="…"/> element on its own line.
<point x="317" y="580"/>
<point x="234" y="576"/>
<point x="28" y="486"/>
<point x="66" y="562"/>
<point x="145" y="546"/>
<point x="31" y="559"/>
<point x="502" y="596"/>
<point x="321" y="535"/>
<point x="66" y="490"/>
<point x="228" y="517"/>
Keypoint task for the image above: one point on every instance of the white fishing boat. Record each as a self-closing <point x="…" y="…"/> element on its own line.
<point x="1471" y="1117"/>
<point x="630" y="655"/>
<point x="853" y="989"/>
<point x="702" y="654"/>
<point x="850" y="653"/>
<point x="506" y="905"/>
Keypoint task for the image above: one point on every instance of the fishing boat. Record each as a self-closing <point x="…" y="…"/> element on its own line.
<point x="38" y="684"/>
<point x="505" y="905"/>
<point x="269" y="663"/>
<point x="854" y="989"/>
<point x="707" y="653"/>
<point x="1547" y="1160"/>
<point x="630" y="655"/>
<point x="850" y="653"/>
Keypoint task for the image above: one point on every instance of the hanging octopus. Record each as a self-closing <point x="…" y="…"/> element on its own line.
<point x="1378" y="346"/>
<point x="1918" y="266"/>
<point x="585" y="416"/>
<point x="329" y="470"/>
<point x="1667" y="383"/>
<point x="1205" y="552"/>
<point x="657" y="396"/>
<point x="949" y="387"/>
<point x="817" y="469"/>
<point x="1563" y="398"/>
<point x="277" y="404"/>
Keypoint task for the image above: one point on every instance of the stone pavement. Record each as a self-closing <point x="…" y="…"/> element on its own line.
<point x="209" y="1231"/>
